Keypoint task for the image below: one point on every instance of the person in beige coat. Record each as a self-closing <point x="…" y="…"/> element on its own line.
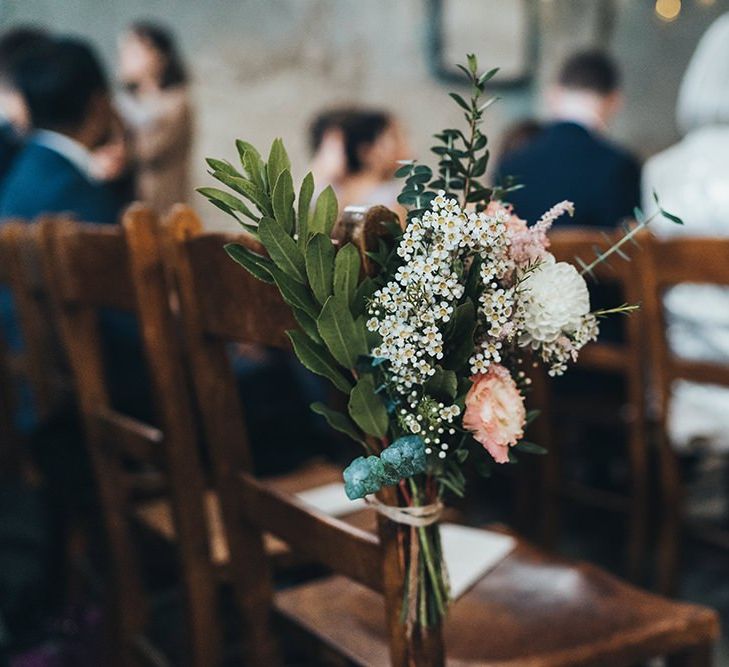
<point x="156" y="109"/>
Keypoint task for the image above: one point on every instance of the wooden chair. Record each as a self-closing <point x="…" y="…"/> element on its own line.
<point x="669" y="263"/>
<point x="532" y="609"/>
<point x="104" y="267"/>
<point x="624" y="359"/>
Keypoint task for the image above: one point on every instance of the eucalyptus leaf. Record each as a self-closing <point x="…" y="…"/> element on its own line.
<point x="318" y="360"/>
<point x="367" y="409"/>
<point x="257" y="265"/>
<point x="282" y="249"/>
<point x="325" y="212"/>
<point x="338" y="421"/>
<point x="320" y="266"/>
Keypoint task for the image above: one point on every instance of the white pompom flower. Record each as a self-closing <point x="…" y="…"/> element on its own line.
<point x="554" y="300"/>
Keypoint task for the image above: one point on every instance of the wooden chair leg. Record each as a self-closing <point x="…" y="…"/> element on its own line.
<point x="638" y="518"/>
<point x="669" y="537"/>
<point x="697" y="656"/>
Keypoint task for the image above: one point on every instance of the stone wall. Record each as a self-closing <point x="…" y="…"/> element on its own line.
<point x="264" y="68"/>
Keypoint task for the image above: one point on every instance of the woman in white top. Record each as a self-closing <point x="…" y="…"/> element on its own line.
<point x="692" y="178"/>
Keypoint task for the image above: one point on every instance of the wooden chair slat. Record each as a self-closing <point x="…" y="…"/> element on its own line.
<point x="324" y="539"/>
<point x="129" y="437"/>
<point x="225" y="293"/>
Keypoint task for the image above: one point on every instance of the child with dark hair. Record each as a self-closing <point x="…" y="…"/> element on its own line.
<point x="157" y="109"/>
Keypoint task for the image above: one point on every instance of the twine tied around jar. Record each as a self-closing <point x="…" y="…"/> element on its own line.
<point x="417" y="516"/>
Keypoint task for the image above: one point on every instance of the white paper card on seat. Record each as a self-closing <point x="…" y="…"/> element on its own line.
<point x="330" y="499"/>
<point x="470" y="553"/>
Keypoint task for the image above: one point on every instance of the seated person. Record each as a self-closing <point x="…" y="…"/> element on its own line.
<point x="571" y="158"/>
<point x="69" y="105"/>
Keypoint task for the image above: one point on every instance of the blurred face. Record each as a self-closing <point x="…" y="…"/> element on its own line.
<point x="100" y="123"/>
<point x="140" y="65"/>
<point x="383" y="155"/>
<point x="14" y="108"/>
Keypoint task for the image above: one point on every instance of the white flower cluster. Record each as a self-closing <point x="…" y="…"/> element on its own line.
<point x="407" y="311"/>
<point x="525" y="299"/>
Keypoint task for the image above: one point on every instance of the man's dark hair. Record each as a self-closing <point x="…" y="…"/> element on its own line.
<point x="590" y="70"/>
<point x="162" y="41"/>
<point x="58" y="80"/>
<point x="16" y="42"/>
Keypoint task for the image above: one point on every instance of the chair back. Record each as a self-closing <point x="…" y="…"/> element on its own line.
<point x="97" y="268"/>
<point x="221" y="303"/>
<point x="622" y="358"/>
<point x="671" y="263"/>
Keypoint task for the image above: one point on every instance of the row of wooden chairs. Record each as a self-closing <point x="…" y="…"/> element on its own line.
<point x="648" y="368"/>
<point x="191" y="302"/>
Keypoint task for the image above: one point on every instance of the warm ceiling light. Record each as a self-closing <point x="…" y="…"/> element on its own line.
<point x="668" y="10"/>
<point x="707" y="3"/>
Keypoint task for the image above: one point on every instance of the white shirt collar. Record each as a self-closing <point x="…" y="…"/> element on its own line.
<point x="578" y="107"/>
<point x="76" y="153"/>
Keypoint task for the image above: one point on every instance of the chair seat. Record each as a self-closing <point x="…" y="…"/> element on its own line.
<point x="156" y="515"/>
<point x="532" y="610"/>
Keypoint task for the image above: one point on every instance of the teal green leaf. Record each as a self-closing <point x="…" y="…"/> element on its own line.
<point x="325" y="212"/>
<point x="320" y="266"/>
<point x="255" y="264"/>
<point x="305" y="194"/>
<point x="278" y="161"/>
<point x="338" y="421"/>
<point x="339" y="332"/>
<point x="282" y="249"/>
<point x="294" y="293"/>
<point x="367" y="409"/>
<point x="346" y="272"/>
<point x="442" y="385"/>
<point x="283" y="201"/>
<point x="318" y="360"/>
<point x="227" y="202"/>
<point x="363" y="476"/>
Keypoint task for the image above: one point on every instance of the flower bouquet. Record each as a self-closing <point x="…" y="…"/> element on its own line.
<point x="431" y="348"/>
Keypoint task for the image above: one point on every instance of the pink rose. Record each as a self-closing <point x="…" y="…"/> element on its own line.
<point x="495" y="412"/>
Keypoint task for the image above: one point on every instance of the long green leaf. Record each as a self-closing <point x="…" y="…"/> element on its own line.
<point x="294" y="293"/>
<point x="255" y="264"/>
<point x="338" y="330"/>
<point x="367" y="409"/>
<point x="248" y="189"/>
<point x="346" y="272"/>
<point x="318" y="360"/>
<point x="278" y="161"/>
<point x="443" y="385"/>
<point x="252" y="163"/>
<point x="338" y="421"/>
<point x="282" y="249"/>
<point x="221" y="165"/>
<point x="227" y="202"/>
<point x="362" y="294"/>
<point x="320" y="266"/>
<point x="325" y="212"/>
<point x="307" y="324"/>
<point x="283" y="201"/>
<point x="305" y="194"/>
<point x="459" y="346"/>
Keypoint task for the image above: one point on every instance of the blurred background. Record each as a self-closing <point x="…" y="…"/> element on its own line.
<point x="259" y="69"/>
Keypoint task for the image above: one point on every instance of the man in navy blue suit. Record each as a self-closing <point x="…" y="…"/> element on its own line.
<point x="571" y="158"/>
<point x="69" y="104"/>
